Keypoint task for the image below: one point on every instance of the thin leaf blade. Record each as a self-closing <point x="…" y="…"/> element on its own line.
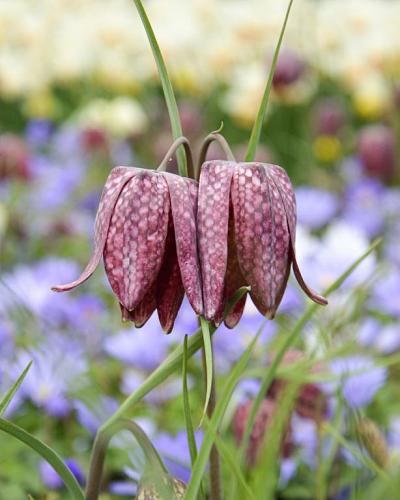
<point x="13" y="390"/>
<point x="258" y="124"/>
<point x="47" y="453"/>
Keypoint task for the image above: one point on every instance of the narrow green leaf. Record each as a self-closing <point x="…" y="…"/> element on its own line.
<point x="208" y="356"/>
<point x="234" y="466"/>
<point x="211" y="431"/>
<point x="47" y="453"/>
<point x="290" y="339"/>
<point x="357" y="454"/>
<point x="172" y="363"/>
<point x="258" y="124"/>
<point x="235" y="299"/>
<point x="166" y="86"/>
<point x="186" y="406"/>
<point x="12" y="391"/>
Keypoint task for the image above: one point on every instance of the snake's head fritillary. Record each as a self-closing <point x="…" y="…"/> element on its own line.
<point x="146" y="232"/>
<point x="246" y="228"/>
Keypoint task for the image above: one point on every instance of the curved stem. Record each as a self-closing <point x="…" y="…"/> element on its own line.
<point x="165" y="83"/>
<point x="47" y="453"/>
<point x="100" y="447"/>
<point x="215" y="483"/>
<point x="181" y="141"/>
<point x="169" y="366"/>
<point x="214" y="136"/>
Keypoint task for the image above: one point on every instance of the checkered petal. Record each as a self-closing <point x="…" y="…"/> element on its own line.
<point x="183" y="214"/>
<point x="262" y="235"/>
<point x="115" y="183"/>
<point x="136" y="237"/>
<point x="212" y="217"/>
<point x="170" y="290"/>
<point x="141" y="314"/>
<point x="233" y="280"/>
<point x="284" y="186"/>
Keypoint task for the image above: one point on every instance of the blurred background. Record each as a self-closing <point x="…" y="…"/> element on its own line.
<point x="79" y="94"/>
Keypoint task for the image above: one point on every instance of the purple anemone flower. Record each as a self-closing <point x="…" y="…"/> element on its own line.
<point x="246" y="229"/>
<point x="145" y="229"/>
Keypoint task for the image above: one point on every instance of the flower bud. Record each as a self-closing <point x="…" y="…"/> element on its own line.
<point x="262" y="423"/>
<point x="376" y="148"/>
<point x="329" y="116"/>
<point x="374" y="442"/>
<point x="150" y="492"/>
<point x="289" y="69"/>
<point x="14" y="157"/>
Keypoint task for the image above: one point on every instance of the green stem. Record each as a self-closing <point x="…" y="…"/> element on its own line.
<point x="258" y="124"/>
<point x="181" y="141"/>
<point x="215" y="481"/>
<point x="47" y="453"/>
<point x="100" y="449"/>
<point x="172" y="363"/>
<point x="214" y="136"/>
<point x="166" y="85"/>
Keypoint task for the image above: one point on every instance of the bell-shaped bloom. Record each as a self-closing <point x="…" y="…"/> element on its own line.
<point x="145" y="230"/>
<point x="246" y="231"/>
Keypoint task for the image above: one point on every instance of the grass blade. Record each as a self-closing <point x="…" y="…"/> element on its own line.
<point x="233" y="465"/>
<point x="12" y="391"/>
<point x="258" y="124"/>
<point x="211" y="431"/>
<point x="208" y="357"/>
<point x="166" y="86"/>
<point x="290" y="339"/>
<point x="358" y="455"/>
<point x="172" y="363"/>
<point x="186" y="406"/>
<point x="47" y="453"/>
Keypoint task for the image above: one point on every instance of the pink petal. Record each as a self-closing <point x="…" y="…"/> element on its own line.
<point x="233" y="280"/>
<point x="212" y="217"/>
<point x="170" y="291"/>
<point x="262" y="235"/>
<point x="185" y="237"/>
<point x="116" y="181"/>
<point x="145" y="309"/>
<point x="136" y="237"/>
<point x="282" y="181"/>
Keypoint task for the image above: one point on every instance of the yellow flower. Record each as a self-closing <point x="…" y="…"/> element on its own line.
<point x="327" y="148"/>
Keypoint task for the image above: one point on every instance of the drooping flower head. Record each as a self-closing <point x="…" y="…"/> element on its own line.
<point x="146" y="231"/>
<point x="246" y="230"/>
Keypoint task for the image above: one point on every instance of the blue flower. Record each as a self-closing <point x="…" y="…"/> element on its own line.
<point x="386" y="293"/>
<point x="57" y="368"/>
<point x="143" y="348"/>
<point x="363" y="208"/>
<point x="52" y="480"/>
<point x="315" y="207"/>
<point x="175" y="453"/>
<point x="359" y="378"/>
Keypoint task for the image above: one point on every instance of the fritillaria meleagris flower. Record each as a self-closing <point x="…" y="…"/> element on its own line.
<point x="246" y="231"/>
<point x="145" y="230"/>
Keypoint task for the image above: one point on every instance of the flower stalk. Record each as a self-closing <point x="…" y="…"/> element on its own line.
<point x="99" y="451"/>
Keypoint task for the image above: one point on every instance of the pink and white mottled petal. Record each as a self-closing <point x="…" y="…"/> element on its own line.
<point x="136" y="237"/>
<point x="170" y="291"/>
<point x="253" y="231"/>
<point x="233" y="281"/>
<point x="141" y="314"/>
<point x="280" y="179"/>
<point x="319" y="299"/>
<point x="212" y="217"/>
<point x="186" y="238"/>
<point x="285" y="187"/>
<point x="280" y="273"/>
<point x="115" y="183"/>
